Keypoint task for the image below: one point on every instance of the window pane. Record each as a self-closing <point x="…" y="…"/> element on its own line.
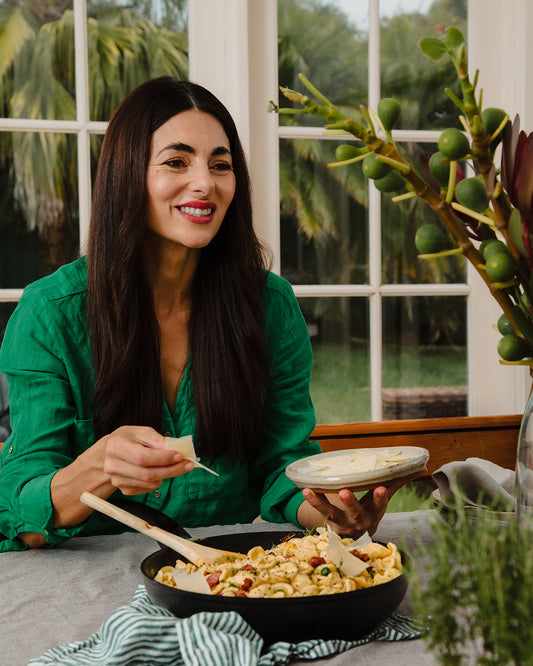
<point x="324" y="224"/>
<point x="6" y="310"/>
<point x="322" y="40"/>
<point x="341" y="372"/>
<point x="96" y="145"/>
<point x="400" y="221"/>
<point x="424" y="357"/>
<point x="130" y="44"/>
<point x="409" y="75"/>
<point x="39" y="195"/>
<point x="37" y="61"/>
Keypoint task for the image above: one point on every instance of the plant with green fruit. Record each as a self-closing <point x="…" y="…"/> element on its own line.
<point x="486" y="216"/>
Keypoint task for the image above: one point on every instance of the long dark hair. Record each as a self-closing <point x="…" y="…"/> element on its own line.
<point x="227" y="345"/>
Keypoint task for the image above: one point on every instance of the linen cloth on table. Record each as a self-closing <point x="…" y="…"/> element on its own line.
<point x="476" y="482"/>
<point x="145" y="633"/>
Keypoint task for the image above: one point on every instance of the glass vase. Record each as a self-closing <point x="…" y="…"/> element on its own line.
<point x="524" y="464"/>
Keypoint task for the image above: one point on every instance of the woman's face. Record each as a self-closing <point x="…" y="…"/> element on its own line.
<point x="190" y="179"/>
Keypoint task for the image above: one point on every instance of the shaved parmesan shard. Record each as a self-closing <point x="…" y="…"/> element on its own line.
<point x="191" y="582"/>
<point x="185" y="446"/>
<point x="362" y="460"/>
<point x="362" y="541"/>
<point x="341" y="556"/>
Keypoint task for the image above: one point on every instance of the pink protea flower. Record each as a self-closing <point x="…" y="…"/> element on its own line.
<point x="517" y="176"/>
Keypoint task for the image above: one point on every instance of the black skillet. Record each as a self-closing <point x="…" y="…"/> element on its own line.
<point x="346" y="615"/>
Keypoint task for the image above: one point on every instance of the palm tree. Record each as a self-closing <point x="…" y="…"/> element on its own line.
<point x="37" y="80"/>
<point x="323" y="210"/>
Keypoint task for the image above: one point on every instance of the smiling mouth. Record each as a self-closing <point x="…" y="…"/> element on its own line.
<point x="197" y="212"/>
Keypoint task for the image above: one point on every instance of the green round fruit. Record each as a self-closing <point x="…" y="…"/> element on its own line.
<point x="513" y="348"/>
<point x="484" y="244"/>
<point x="439" y="167"/>
<point x="392" y="182"/>
<point x="453" y="144"/>
<point x="504" y="325"/>
<point x="500" y="267"/>
<point x="389" y="110"/>
<point x="348" y="152"/>
<point x="430" y="239"/>
<point x="472" y="193"/>
<point x="491" y="119"/>
<point x="373" y="168"/>
<point x="492" y="246"/>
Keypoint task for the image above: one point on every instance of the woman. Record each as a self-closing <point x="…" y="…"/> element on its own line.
<point x="171" y="325"/>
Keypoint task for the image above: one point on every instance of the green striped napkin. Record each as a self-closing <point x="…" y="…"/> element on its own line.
<point x="144" y="633"/>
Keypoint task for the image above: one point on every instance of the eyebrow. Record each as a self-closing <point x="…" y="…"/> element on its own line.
<point x="185" y="148"/>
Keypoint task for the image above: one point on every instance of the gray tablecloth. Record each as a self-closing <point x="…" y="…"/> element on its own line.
<point x="54" y="596"/>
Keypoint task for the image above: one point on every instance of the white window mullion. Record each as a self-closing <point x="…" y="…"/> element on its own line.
<point x="222" y="64"/>
<point x="264" y="124"/>
<point x="374" y="226"/>
<point x="83" y="116"/>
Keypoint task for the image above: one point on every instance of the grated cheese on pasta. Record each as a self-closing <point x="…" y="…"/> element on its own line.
<point x="299" y="567"/>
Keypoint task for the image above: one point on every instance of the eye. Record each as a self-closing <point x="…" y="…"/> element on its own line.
<point x="222" y="166"/>
<point x="176" y="163"/>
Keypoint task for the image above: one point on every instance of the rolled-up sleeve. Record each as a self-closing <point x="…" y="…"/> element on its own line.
<point x="289" y="416"/>
<point x="43" y="412"/>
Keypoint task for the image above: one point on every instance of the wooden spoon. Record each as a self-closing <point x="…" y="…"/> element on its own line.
<point x="195" y="552"/>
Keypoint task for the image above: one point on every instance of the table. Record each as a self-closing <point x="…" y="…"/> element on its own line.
<point x="55" y="596"/>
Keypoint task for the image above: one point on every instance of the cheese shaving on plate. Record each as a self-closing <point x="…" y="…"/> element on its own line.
<point x="358" y="461"/>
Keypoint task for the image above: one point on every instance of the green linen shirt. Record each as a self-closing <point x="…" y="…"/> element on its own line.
<point x="46" y="357"/>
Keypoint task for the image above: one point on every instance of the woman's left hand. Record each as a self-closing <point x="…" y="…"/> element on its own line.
<point x="348" y="515"/>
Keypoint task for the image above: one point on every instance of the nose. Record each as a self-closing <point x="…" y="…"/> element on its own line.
<point x="202" y="180"/>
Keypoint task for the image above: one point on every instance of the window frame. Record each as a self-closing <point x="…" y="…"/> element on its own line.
<point x="493" y="388"/>
<point x="240" y="66"/>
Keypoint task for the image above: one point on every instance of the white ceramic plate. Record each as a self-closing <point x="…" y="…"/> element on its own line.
<point x="356" y="468"/>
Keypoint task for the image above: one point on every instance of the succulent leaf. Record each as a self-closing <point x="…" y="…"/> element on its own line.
<point x="454" y="37"/>
<point x="433" y="47"/>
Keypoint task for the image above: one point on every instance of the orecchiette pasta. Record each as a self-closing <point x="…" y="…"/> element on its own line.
<point x="298" y="567"/>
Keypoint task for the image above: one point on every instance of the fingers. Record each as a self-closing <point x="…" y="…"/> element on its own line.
<point x="346" y="514"/>
<point x="316" y="500"/>
<point x="137" y="461"/>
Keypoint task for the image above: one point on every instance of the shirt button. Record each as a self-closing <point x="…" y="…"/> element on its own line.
<point x="10" y="449"/>
<point x="157" y="493"/>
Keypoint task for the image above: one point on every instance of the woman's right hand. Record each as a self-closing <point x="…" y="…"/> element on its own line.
<point x="132" y="458"/>
<point x="136" y="460"/>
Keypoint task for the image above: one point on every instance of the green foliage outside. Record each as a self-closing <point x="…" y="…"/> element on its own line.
<point x="340" y="379"/>
<point x="337" y="60"/>
<point x="130" y="42"/>
<point x="127" y="44"/>
<point x="324" y="222"/>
